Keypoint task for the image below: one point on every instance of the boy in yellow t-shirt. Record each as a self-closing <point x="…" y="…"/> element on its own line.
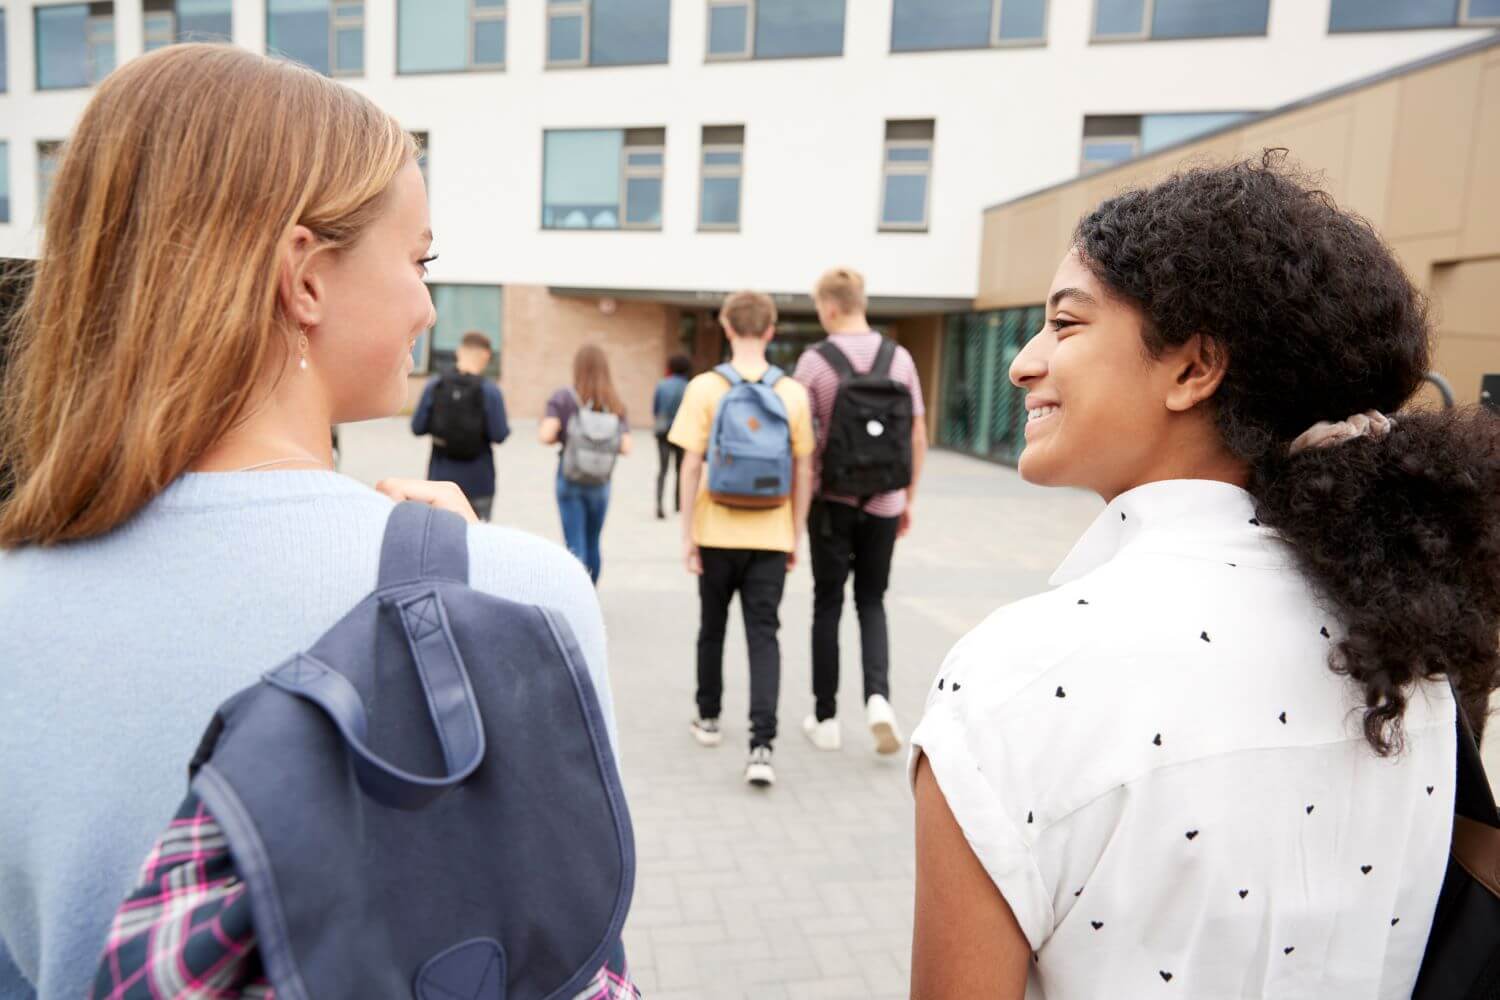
<point x="734" y="549"/>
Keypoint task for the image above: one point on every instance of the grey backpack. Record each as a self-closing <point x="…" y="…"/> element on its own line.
<point x="593" y="444"/>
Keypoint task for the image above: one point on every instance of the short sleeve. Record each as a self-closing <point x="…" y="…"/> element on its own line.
<point x="695" y="417"/>
<point x="558" y="405"/>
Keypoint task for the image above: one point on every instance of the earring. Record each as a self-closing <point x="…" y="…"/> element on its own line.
<point x="302" y="349"/>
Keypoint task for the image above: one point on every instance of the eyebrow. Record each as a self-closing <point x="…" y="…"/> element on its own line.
<point x="1072" y="293"/>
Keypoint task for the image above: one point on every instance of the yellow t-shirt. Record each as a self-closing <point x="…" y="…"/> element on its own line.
<point x="716" y="526"/>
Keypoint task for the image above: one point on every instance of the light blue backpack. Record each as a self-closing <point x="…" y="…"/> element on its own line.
<point x="750" y="447"/>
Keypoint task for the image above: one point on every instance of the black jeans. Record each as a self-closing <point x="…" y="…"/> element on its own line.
<point x="760" y="578"/>
<point x="844" y="538"/>
<point x="668" y="453"/>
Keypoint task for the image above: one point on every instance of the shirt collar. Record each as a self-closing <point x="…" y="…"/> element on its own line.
<point x="1198" y="518"/>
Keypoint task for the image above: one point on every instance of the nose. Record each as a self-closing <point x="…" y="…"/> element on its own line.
<point x="1031" y="364"/>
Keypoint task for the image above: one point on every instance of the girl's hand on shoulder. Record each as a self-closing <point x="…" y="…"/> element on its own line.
<point x="443" y="496"/>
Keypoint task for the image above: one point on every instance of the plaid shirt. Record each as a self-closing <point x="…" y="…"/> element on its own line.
<point x="186" y="931"/>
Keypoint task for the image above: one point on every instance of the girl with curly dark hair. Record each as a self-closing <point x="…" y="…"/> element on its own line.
<point x="1217" y="760"/>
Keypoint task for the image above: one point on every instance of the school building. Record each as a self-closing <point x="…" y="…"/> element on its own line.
<point x="606" y="170"/>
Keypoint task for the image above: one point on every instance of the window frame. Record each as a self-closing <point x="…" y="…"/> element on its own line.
<point x="749" y="52"/>
<point x="907" y="169"/>
<point x="1148" y="10"/>
<point x="707" y="170"/>
<point x="45" y="149"/>
<point x="90" y="43"/>
<point x="478" y="14"/>
<point x="995" y="41"/>
<point x="570" y="8"/>
<point x="146" y="31"/>
<point x="656" y="172"/>
<point x="335" y="25"/>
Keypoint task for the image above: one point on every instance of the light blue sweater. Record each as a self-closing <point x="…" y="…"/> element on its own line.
<point x="115" y="652"/>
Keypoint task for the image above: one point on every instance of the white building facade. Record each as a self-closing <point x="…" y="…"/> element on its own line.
<point x="603" y="169"/>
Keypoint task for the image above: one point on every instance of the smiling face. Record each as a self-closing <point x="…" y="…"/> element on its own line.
<point x="1102" y="413"/>
<point x="377" y="305"/>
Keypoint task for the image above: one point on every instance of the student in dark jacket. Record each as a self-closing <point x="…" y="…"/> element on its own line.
<point x="465" y="414"/>
<point x="664" y="404"/>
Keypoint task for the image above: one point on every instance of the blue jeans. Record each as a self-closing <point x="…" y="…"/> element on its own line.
<point x="582" y="509"/>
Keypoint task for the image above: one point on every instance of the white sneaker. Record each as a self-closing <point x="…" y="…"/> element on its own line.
<point x="758" y="769"/>
<point x="706" y="732"/>
<point x="882" y="720"/>
<point x="825" y="735"/>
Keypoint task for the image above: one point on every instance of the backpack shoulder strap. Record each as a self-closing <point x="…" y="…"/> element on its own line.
<point x="771" y="377"/>
<point x="423" y="542"/>
<point x="727" y="373"/>
<point x="837" y="359"/>
<point x="884" y="358"/>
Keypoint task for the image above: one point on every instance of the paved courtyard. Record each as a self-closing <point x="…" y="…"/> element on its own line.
<point x="804" y="890"/>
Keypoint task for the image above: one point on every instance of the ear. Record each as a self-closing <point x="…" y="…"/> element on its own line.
<point x="1197" y="369"/>
<point x="300" y="282"/>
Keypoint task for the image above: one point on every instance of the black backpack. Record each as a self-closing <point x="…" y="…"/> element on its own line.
<point x="457" y="425"/>
<point x="869" y="435"/>
<point x="1462" y="961"/>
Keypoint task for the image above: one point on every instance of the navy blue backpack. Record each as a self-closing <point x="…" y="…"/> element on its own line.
<point x="423" y="804"/>
<point x="750" y="446"/>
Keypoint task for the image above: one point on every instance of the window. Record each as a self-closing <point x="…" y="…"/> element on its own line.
<point x="980" y="411"/>
<point x="48" y="155"/>
<point x="4" y="182"/>
<point x="1384" y="15"/>
<point x="460" y="309"/>
<point x="421" y="140"/>
<point x="1111" y="139"/>
<point x="607" y="32"/>
<point x="775" y="29"/>
<point x="4" y="69"/>
<point x="1150" y="19"/>
<point x="326" y="36"/>
<point x="723" y="167"/>
<point x="907" y="175"/>
<point x="166" y="21"/>
<point x="603" y="178"/>
<point x="75" y="44"/>
<point x="924" y="25"/>
<point x="437" y="36"/>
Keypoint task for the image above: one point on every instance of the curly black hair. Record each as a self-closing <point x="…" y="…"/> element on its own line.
<point x="1401" y="536"/>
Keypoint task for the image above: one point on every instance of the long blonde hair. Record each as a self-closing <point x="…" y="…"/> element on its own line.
<point x="592" y="382"/>
<point x="154" y="317"/>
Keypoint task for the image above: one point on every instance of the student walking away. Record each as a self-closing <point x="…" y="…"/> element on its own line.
<point x="588" y="420"/>
<point x="465" y="414"/>
<point x="1222" y="757"/>
<point x="177" y="534"/>
<point x="746" y="434"/>
<point x="664" y="404"/>
<point x="872" y="440"/>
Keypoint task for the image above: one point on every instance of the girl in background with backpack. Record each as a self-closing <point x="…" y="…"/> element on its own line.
<point x="206" y="313"/>
<point x="588" y="420"/>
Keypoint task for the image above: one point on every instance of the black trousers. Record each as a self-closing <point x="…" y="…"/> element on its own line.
<point x="759" y="577"/>
<point x="668" y="453"/>
<point x="844" y="539"/>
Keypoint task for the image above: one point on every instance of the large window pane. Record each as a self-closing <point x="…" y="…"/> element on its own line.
<point x="62" y="55"/>
<point x="905" y="200"/>
<point x="489" y="43"/>
<point x="1371" y="15"/>
<point x="1021" y="19"/>
<point x="565" y="38"/>
<point x="940" y="24"/>
<point x="432" y="36"/>
<point x="1477" y="9"/>
<point x="1207" y="18"/>
<point x="728" y="30"/>
<point x="1158" y="131"/>
<point x="643" y="202"/>
<point x="4" y="182"/>
<point x="351" y="50"/>
<point x="204" y="20"/>
<point x="298" y="30"/>
<point x="628" y="32"/>
<point x="1119" y="17"/>
<point x="581" y="180"/>
<point x="461" y="309"/>
<point x="721" y="201"/>
<point x="799" y="28"/>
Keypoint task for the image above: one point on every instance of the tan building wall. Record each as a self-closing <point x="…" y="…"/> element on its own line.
<point x="1417" y="153"/>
